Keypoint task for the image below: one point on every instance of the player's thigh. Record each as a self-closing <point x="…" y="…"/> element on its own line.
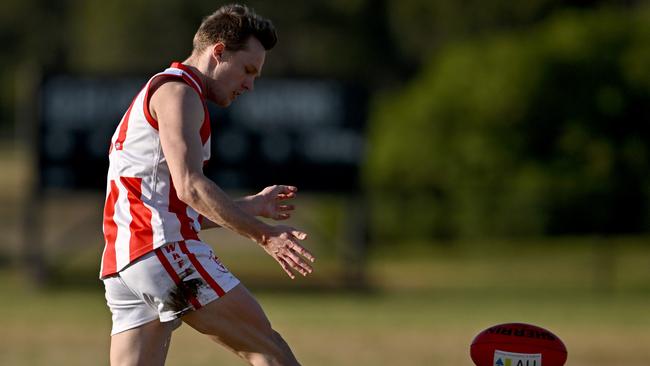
<point x="145" y="345"/>
<point x="235" y="320"/>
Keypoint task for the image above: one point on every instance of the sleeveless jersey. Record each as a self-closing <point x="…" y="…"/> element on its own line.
<point x="142" y="210"/>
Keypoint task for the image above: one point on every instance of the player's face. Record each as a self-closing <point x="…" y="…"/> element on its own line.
<point x="236" y="71"/>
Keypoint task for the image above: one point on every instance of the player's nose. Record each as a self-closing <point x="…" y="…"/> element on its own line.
<point x="248" y="84"/>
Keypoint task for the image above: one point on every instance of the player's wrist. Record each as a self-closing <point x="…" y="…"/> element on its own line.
<point x="256" y="204"/>
<point x="264" y="233"/>
<point x="251" y="205"/>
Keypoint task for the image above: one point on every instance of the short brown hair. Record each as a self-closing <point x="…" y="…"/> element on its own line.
<point x="233" y="25"/>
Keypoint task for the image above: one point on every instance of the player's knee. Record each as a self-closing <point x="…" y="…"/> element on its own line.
<point x="267" y="360"/>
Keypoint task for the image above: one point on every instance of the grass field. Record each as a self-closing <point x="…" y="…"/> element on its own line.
<point x="421" y="312"/>
<point x="424" y="305"/>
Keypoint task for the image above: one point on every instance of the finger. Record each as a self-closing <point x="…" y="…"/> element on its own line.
<point x="286" y="207"/>
<point x="302" y="251"/>
<point x="296" y="267"/>
<point x="282" y="216"/>
<point x="299" y="234"/>
<point x="285" y="196"/>
<point x="293" y="265"/>
<point x="288" y="189"/>
<point x="297" y="264"/>
<point x="284" y="189"/>
<point x="285" y="266"/>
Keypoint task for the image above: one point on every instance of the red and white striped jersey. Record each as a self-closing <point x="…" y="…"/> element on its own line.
<point x="142" y="211"/>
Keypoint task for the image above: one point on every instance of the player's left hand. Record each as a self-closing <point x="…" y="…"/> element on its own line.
<point x="283" y="244"/>
<point x="271" y="202"/>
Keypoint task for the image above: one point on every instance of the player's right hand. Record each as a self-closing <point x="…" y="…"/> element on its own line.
<point x="282" y="243"/>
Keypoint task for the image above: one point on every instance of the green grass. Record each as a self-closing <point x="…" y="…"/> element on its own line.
<point x="427" y="303"/>
<point x="422" y="311"/>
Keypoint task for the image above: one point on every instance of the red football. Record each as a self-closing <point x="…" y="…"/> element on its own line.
<point x="517" y="344"/>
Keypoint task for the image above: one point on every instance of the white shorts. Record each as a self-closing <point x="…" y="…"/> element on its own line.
<point x="165" y="284"/>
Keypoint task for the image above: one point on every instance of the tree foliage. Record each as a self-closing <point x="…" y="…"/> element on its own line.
<point x="517" y="118"/>
<point x="543" y="131"/>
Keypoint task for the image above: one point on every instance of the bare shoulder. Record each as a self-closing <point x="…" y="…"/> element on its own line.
<point x="175" y="98"/>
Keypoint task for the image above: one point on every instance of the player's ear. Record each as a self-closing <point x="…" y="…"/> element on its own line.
<point x="218" y="50"/>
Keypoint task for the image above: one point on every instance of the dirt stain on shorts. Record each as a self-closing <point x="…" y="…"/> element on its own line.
<point x="179" y="297"/>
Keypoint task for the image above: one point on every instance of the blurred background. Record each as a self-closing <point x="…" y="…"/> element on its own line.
<point x="461" y="164"/>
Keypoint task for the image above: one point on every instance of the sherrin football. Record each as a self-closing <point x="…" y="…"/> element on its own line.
<point x="517" y="344"/>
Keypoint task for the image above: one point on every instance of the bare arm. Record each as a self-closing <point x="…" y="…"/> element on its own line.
<point x="269" y="203"/>
<point x="179" y="112"/>
<point x="245" y="204"/>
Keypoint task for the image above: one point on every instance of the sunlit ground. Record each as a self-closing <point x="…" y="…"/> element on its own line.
<point x="390" y="326"/>
<point x="424" y="304"/>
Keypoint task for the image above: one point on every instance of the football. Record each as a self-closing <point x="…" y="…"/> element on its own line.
<point x="517" y="344"/>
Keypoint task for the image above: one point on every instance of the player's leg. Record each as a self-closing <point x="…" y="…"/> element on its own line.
<point x="237" y="321"/>
<point x="145" y="345"/>
<point x="138" y="337"/>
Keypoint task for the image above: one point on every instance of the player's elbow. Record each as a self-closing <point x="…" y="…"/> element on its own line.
<point x="187" y="195"/>
<point x="187" y="192"/>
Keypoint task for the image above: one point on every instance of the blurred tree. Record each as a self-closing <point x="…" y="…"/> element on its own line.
<point x="379" y="43"/>
<point x="521" y="133"/>
<point x="424" y="26"/>
<point x="127" y="35"/>
<point x="320" y="38"/>
<point x="503" y="131"/>
<point x="327" y="38"/>
<point x="15" y="14"/>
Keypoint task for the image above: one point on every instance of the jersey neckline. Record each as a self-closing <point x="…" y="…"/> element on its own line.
<point x="195" y="78"/>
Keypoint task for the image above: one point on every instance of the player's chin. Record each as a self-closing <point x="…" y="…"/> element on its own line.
<point x="224" y="102"/>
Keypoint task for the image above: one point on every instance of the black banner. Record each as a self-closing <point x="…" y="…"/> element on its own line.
<point x="308" y="133"/>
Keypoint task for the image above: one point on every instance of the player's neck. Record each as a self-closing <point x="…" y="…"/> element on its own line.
<point x="201" y="67"/>
<point x="194" y="64"/>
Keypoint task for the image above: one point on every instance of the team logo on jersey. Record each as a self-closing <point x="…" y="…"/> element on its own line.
<point x="502" y="358"/>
